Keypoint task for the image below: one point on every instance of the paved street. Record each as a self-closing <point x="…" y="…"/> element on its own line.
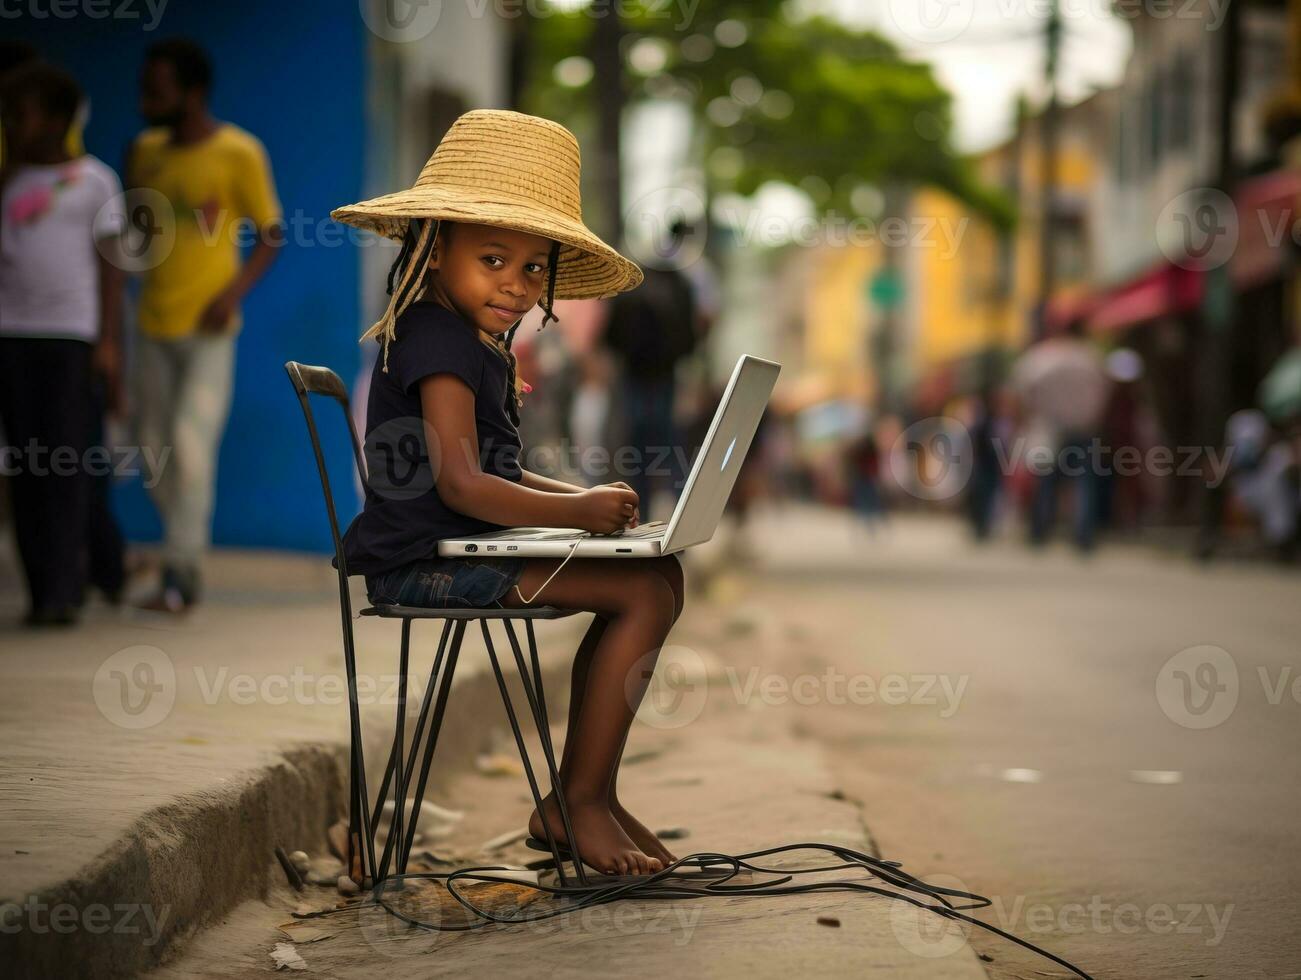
<point x="1103" y="747"/>
<point x="1033" y="747"/>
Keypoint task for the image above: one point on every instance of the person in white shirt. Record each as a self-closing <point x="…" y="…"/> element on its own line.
<point x="60" y="351"/>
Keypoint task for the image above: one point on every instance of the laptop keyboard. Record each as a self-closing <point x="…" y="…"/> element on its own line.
<point x="640" y="531"/>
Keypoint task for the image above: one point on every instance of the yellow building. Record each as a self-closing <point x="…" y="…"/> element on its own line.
<point x="975" y="290"/>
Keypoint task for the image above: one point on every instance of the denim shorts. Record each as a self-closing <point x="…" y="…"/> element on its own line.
<point x="456" y="583"/>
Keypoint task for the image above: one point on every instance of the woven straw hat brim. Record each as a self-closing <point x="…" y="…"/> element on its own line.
<point x="586" y="268"/>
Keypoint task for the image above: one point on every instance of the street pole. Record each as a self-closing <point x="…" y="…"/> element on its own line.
<point x="1218" y="341"/>
<point x="607" y="65"/>
<point x="1048" y="150"/>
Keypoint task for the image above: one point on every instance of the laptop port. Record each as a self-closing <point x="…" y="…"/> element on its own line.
<point x="471" y="547"/>
<point x="623" y="551"/>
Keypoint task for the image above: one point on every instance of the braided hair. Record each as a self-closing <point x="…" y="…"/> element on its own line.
<point x="408" y="279"/>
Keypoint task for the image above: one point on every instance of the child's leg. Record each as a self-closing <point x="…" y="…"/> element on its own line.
<point x="639" y="607"/>
<point x="670" y="569"/>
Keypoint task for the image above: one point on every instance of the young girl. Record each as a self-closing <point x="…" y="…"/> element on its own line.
<point x="494" y="223"/>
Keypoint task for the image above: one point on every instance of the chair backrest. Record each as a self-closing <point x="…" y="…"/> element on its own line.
<point x="311" y="380"/>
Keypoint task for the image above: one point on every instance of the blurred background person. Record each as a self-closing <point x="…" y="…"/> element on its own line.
<point x="862" y="460"/>
<point x="60" y="343"/>
<point x="1063" y="388"/>
<point x="990" y="429"/>
<point x="213" y="175"/>
<point x="649" y="330"/>
<point x="1263" y="478"/>
<point x="1127" y="426"/>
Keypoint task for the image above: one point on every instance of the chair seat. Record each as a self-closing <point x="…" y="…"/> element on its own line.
<point x="461" y="612"/>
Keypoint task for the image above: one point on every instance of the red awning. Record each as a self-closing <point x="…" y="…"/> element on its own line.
<point x="1267" y="210"/>
<point x="1167" y="290"/>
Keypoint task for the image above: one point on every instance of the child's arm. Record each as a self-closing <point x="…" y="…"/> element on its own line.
<point x="536" y="481"/>
<point x="447" y="404"/>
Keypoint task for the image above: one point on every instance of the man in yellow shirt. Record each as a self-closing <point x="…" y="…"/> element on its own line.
<point x="198" y="188"/>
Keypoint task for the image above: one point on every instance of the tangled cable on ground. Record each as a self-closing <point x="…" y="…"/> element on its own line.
<point x="664" y="885"/>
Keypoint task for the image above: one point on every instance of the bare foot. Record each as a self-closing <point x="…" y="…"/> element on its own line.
<point x="643" y="838"/>
<point x="601" y="839"/>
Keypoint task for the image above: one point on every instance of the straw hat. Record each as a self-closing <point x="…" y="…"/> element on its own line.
<point x="510" y="170"/>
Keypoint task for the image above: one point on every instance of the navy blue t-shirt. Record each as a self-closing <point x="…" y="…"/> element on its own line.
<point x="403" y="518"/>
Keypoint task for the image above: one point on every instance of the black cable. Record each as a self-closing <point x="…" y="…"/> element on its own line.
<point x="663" y="885"/>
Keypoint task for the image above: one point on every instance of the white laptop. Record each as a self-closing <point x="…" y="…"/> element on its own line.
<point x="699" y="509"/>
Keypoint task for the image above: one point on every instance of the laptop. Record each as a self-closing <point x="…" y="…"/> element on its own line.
<point x="699" y="508"/>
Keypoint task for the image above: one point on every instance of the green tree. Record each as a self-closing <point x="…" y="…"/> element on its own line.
<point x="812" y="102"/>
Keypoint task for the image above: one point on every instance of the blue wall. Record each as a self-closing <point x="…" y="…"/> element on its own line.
<point x="294" y="76"/>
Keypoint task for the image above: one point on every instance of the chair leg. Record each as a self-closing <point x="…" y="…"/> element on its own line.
<point x="544" y="734"/>
<point x="402" y="845"/>
<point x="431" y="738"/>
<point x="395" y="758"/>
<point x="537" y="704"/>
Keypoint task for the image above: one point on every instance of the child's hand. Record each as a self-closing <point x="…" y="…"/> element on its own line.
<point x="606" y="509"/>
<point x="636" y="507"/>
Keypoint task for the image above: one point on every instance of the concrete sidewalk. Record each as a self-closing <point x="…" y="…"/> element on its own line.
<point x="152" y="764"/>
<point x="732" y="779"/>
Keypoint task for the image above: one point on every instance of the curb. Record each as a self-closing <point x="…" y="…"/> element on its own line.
<point x="169" y="875"/>
<point x="183" y="865"/>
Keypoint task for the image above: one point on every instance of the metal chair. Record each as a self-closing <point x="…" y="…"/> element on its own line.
<point x="362" y="865"/>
